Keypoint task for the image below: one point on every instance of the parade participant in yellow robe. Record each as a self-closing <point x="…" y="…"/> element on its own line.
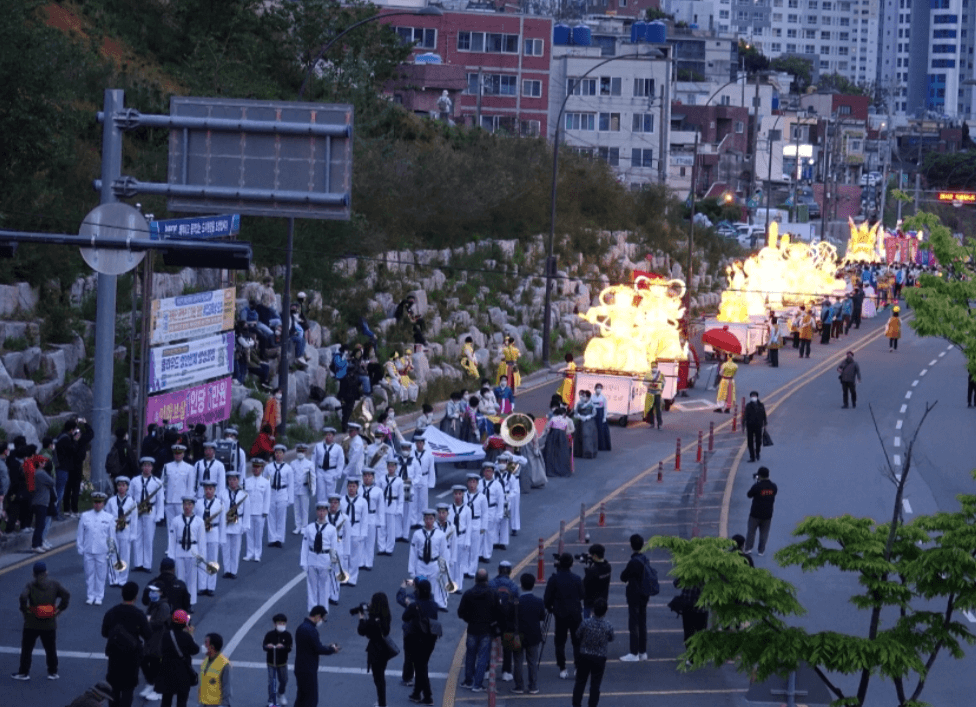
<point x="566" y="388"/>
<point x="468" y="362"/>
<point x="652" y="400"/>
<point x="726" y="386"/>
<point x="508" y="367"/>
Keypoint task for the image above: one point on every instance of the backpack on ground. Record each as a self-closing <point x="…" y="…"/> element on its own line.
<point x="649" y="586"/>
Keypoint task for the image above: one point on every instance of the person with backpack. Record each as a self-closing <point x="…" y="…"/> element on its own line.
<point x="41" y="602"/>
<point x="479" y="610"/>
<point x="531" y="615"/>
<point x="642" y="584"/>
<point x="121" y="458"/>
<point x="564" y="600"/>
<point x="158" y="614"/>
<point x="508" y="601"/>
<point x="126" y="629"/>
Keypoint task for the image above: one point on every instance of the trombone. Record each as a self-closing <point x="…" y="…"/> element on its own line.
<point x="208" y="567"/>
<point x="341" y="575"/>
<point x="119" y="565"/>
<point x="449" y="586"/>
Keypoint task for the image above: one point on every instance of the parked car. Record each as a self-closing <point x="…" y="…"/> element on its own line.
<point x="747" y="233"/>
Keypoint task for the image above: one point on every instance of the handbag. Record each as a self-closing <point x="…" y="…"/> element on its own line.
<point x="767" y="441"/>
<point x="42" y="611"/>
<point x="194" y="678"/>
<point x="392" y="649"/>
<point x="512" y="641"/>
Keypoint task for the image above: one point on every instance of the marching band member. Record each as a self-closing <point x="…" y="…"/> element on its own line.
<point x="178" y="479"/>
<point x="459" y="515"/>
<point x="329" y="461"/>
<point x="186" y="541"/>
<point x="96" y="534"/>
<point x="392" y="487"/>
<point x="319" y="541"/>
<point x="211" y="511"/>
<point x="425" y="478"/>
<point x="148" y="492"/>
<point x="478" y="505"/>
<point x="375" y="517"/>
<point x="282" y="479"/>
<point x="258" y="490"/>
<point x="356" y="511"/>
<point x="513" y="490"/>
<point x="357" y="453"/>
<point x="495" y="496"/>
<point x="237" y="518"/>
<point x="428" y="546"/>
<point x="230" y="434"/>
<point x="337" y="519"/>
<point x="122" y="508"/>
<point x="305" y="480"/>
<point x="444" y="525"/>
<point x="210" y="468"/>
<point x="408" y="474"/>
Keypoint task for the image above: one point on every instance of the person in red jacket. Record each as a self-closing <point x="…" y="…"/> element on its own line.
<point x="264" y="443"/>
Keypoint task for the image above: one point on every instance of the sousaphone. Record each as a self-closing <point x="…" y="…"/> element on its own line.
<point x="517" y="429"/>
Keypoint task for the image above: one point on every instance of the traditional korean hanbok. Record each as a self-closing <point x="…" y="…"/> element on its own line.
<point x="726" y="386"/>
<point x="585" y="438"/>
<point x="602" y="425"/>
<point x="557" y="449"/>
<point x="869" y="308"/>
<point x="567" y="387"/>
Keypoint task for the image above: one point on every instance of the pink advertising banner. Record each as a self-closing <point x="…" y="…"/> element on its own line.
<point x="206" y="403"/>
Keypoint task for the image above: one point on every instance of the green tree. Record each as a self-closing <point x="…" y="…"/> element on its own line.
<point x="801" y="69"/>
<point x="755" y="60"/>
<point x="840" y="84"/>
<point x="914" y="580"/>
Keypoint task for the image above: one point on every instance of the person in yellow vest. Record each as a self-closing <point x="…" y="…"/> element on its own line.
<point x="652" y="401"/>
<point x="726" y="387"/>
<point x="893" y="329"/>
<point x="214" y="673"/>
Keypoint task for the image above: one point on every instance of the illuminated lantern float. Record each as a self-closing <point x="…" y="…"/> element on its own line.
<point x="864" y="243"/>
<point x="638" y="324"/>
<point x="779" y="278"/>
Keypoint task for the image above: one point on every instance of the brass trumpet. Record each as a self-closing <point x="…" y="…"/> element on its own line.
<point x="449" y="586"/>
<point x="341" y="576"/>
<point x="209" y="567"/>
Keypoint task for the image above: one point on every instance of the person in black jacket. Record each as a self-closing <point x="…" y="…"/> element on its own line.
<point x="277" y="645"/>
<point x="755" y="417"/>
<point x="74" y="462"/>
<point x="171" y="586"/>
<point x="763" y="495"/>
<point x="375" y="626"/>
<point x="596" y="579"/>
<point x="308" y="648"/>
<point x="478" y="608"/>
<point x="421" y="643"/>
<point x="633" y="575"/>
<point x="127" y="630"/>
<point x="176" y="664"/>
<point x="531" y="615"/>
<point x="564" y="600"/>
<point x="121" y="459"/>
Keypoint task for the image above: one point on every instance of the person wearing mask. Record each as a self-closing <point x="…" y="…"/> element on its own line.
<point x="159" y="614"/>
<point x="277" y="645"/>
<point x="596" y="579"/>
<point x="308" y="648"/>
<point x="478" y="609"/>
<point x="654" y="381"/>
<point x="41" y="602"/>
<point x="215" y="687"/>
<point x="176" y="662"/>
<point x="127" y="630"/>
<point x="564" y="600"/>
<point x="763" y="495"/>
<point x="172" y="588"/>
<point x="531" y="616"/>
<point x="755" y="420"/>
<point x="420" y="614"/>
<point x="405" y="596"/>
<point x="602" y="424"/>
<point x="375" y="625"/>
<point x="593" y="634"/>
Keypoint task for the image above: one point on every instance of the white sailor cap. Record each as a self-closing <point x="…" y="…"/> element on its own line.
<point x="328" y="430"/>
<point x="232" y="473"/>
<point x="334" y="497"/>
<point x="405" y="445"/>
<point x="147" y="460"/>
<point x="473" y="475"/>
<point x="459" y="487"/>
<point x="178" y="448"/>
<point x="443" y="506"/>
<point x="301" y="445"/>
<point x="209" y="443"/>
<point x="430" y="512"/>
<point x="487" y="465"/>
<point x="321" y="504"/>
<point x="354" y="426"/>
<point x="391" y="460"/>
<point x="280" y="447"/>
<point x="99" y="496"/>
<point x="121" y="479"/>
<point x="258" y="461"/>
<point x="354" y="480"/>
<point x="504" y="563"/>
<point x="209" y="482"/>
<point x="504" y="456"/>
<point x="192" y="499"/>
<point x="230" y="431"/>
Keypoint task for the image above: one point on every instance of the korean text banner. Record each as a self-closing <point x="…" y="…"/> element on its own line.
<point x="191" y="316"/>
<point x="180" y="365"/>
<point x="205" y="404"/>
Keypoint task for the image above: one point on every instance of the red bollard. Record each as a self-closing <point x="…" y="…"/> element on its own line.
<point x="562" y="531"/>
<point x="735" y="416"/>
<point x="711" y="436"/>
<point x="677" y="455"/>
<point x="582" y="524"/>
<point x="603" y="515"/>
<point x="698" y="458"/>
<point x="660" y="472"/>
<point x="540" y="575"/>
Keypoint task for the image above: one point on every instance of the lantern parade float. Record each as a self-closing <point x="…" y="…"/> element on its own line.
<point x="865" y="244"/>
<point x="779" y="278"/>
<point x="637" y="325"/>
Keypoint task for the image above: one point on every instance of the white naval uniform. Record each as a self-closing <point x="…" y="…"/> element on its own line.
<point x="495" y="496"/>
<point x="356" y="511"/>
<point x="513" y="487"/>
<point x="282" y="479"/>
<point x="95" y="530"/>
<point x="123" y="538"/>
<point x="144" y="526"/>
<point x="424" y="479"/>
<point x="339" y="521"/>
<point x="416" y="565"/>
<point x="452" y="548"/>
<point x="305" y="488"/>
<point x="234" y="532"/>
<point x="212" y="538"/>
<point x="329" y="459"/>
<point x="212" y="470"/>
<point x="375" y="521"/>
<point x="186" y="563"/>
<point x="392" y="488"/>
<point x="407" y="469"/>
<point x="179" y="481"/>
<point x="460" y="518"/>
<point x="259" y="500"/>
<point x="318" y="568"/>
<point x="478" y="506"/>
<point x="354" y="464"/>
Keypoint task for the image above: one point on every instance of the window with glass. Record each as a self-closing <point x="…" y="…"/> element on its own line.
<point x="488" y="42"/>
<point x="423" y="37"/>
<point x="643" y="157"/>
<point x="582" y="87"/>
<point x="580" y="121"/>
<point x="533" y="47"/>
<point x="643" y="123"/>
<point x="610" y="155"/>
<point x="529" y="128"/>
<point x="609" y="85"/>
<point x="531" y="88"/>
<point x="609" y="122"/>
<point x="644" y="88"/>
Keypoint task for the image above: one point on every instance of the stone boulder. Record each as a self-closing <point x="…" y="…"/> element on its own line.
<point x="26" y="410"/>
<point x="253" y="405"/>
<point x="483" y="357"/>
<point x="31" y="360"/>
<point x="13" y="363"/>
<point x="317" y="375"/>
<point x="6" y="382"/>
<point x="314" y="334"/>
<point x="4" y="408"/>
<point x="80" y="399"/>
<point x="54" y="365"/>
<point x="24" y="387"/>
<point x="315" y="417"/>
<point x="238" y="394"/>
<point x="74" y="353"/>
<point x="298" y="395"/>
<point x="19" y="427"/>
<point x="13" y="330"/>
<point x="331" y="403"/>
<point x="421" y="369"/>
<point x="421" y="301"/>
<point x="19" y="298"/>
<point x="45" y="392"/>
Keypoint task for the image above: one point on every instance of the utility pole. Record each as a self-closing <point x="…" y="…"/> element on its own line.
<point x="481" y="90"/>
<point x="755" y="143"/>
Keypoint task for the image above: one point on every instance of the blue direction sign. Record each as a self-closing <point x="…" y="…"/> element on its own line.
<point x="202" y="228"/>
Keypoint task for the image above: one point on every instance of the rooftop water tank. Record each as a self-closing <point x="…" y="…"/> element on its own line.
<point x="638" y="31"/>
<point x="657" y="32"/>
<point x="560" y="34"/>
<point x="427" y="58"/>
<point x="582" y="36"/>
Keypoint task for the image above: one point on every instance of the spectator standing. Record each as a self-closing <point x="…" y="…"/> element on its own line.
<point x="172" y="588"/>
<point x="531" y="616"/>
<point x="775" y="341"/>
<point x="159" y="613"/>
<point x="176" y="664"/>
<point x="121" y="458"/>
<point x="375" y="626"/>
<point x="215" y="687"/>
<point x="272" y="411"/>
<point x="64" y="454"/>
<point x="82" y="437"/>
<point x="641" y="582"/>
<point x="564" y="600"/>
<point x="849" y="373"/>
<point x="478" y="609"/>
<point x="421" y="615"/>
<point x="277" y="645"/>
<point x="4" y="482"/>
<point x="593" y="634"/>
<point x="44" y="497"/>
<point x="308" y="648"/>
<point x="596" y="579"/>
<point x="127" y="630"/>
<point x="763" y="495"/>
<point x="857" y="302"/>
<point x="41" y="602"/>
<point x="893" y="329"/>
<point x="508" y="594"/>
<point x="755" y="418"/>
<point x="805" y="331"/>
<point x="405" y="596"/>
<point x="693" y="617"/>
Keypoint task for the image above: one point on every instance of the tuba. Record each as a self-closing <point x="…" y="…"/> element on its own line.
<point x="517" y="430"/>
<point x="208" y="567"/>
<point x="381" y="452"/>
<point x="341" y="575"/>
<point x="445" y="576"/>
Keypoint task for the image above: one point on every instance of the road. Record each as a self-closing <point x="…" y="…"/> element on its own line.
<point x="825" y="461"/>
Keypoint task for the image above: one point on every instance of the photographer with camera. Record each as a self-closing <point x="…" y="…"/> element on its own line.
<point x="596" y="577"/>
<point x="374" y="624"/>
<point x="564" y="600"/>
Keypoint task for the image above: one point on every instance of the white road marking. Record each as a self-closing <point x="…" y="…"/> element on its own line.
<point x="906" y="505"/>
<point x="933" y="362"/>
<point x="915" y="383"/>
<point x="908" y="395"/>
<point x="969" y="615"/>
<point x="904" y="408"/>
<point x="924" y="371"/>
<point x="896" y="459"/>
<point x="257" y="615"/>
<point x="897" y="441"/>
<point x="942" y="354"/>
<point x="897" y="477"/>
<point x="898" y="424"/>
<point x="949" y="348"/>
